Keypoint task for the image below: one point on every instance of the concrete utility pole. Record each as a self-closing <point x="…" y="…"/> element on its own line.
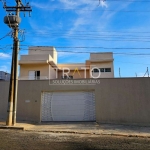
<point x="13" y="22"/>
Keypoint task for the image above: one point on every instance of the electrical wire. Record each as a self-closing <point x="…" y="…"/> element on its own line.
<point x="84" y="52"/>
<point x="130" y="38"/>
<point x="6" y="35"/>
<point x="131" y="63"/>
<point x="121" y="0"/>
<point x="94" y="36"/>
<point x="91" y="52"/>
<point x="4" y="50"/>
<point x="87" y="31"/>
<point x="22" y="35"/>
<point x="128" y="11"/>
<point x="87" y="52"/>
<point x="83" y="47"/>
<point x="126" y="0"/>
<point x="90" y="35"/>
<point x="89" y="47"/>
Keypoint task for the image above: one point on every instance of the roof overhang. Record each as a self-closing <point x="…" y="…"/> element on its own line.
<point x="101" y="61"/>
<point x="21" y="62"/>
<point x="53" y="64"/>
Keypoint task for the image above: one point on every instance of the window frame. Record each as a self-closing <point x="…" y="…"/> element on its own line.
<point x="108" y="69"/>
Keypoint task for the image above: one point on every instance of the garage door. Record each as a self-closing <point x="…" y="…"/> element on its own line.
<point x="68" y="106"/>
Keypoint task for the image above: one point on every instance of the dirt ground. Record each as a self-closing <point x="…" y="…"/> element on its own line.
<point x="25" y="140"/>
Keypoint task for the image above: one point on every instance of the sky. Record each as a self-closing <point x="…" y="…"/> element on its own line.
<point x="121" y="27"/>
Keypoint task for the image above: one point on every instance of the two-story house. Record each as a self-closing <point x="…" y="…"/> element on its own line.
<point x="41" y="63"/>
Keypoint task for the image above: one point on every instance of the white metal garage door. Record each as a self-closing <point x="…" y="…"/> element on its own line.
<point x="68" y="106"/>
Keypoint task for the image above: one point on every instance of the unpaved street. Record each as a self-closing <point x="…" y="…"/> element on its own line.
<point x="23" y="140"/>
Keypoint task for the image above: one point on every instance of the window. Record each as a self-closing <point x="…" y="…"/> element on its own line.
<point x="34" y="75"/>
<point x="107" y="69"/>
<point x="66" y="77"/>
<point x="95" y="70"/>
<point x="37" y="75"/>
<point x="101" y="69"/>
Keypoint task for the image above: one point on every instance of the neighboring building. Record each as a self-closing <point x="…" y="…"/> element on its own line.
<point x="4" y="76"/>
<point x="41" y="63"/>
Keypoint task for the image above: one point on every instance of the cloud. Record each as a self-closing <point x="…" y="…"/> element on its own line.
<point x="68" y="4"/>
<point x="103" y="3"/>
<point x="4" y="55"/>
<point x="40" y="5"/>
<point x="83" y="3"/>
<point x="77" y="15"/>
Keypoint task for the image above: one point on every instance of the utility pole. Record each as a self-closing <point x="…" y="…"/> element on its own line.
<point x="13" y="22"/>
<point x="16" y="47"/>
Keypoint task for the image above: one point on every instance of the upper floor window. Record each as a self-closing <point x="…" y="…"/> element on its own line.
<point x="101" y="70"/>
<point x="107" y="69"/>
<point x="34" y="75"/>
<point x="95" y="70"/>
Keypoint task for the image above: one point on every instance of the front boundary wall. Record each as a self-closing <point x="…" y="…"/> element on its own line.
<point x="118" y="100"/>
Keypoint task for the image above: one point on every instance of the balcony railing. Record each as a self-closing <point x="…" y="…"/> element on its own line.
<point x="33" y="78"/>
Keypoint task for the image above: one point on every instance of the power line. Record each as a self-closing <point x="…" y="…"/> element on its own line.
<point x="82" y="47"/>
<point x="128" y="11"/>
<point x="88" y="47"/>
<point x="129" y="0"/>
<point x="114" y="60"/>
<point x="89" y="31"/>
<point x="95" y="38"/>
<point x="103" y="37"/>
<point x="6" y="35"/>
<point x="131" y="63"/>
<point x="90" y="35"/>
<point x="84" y="52"/>
<point x="97" y="31"/>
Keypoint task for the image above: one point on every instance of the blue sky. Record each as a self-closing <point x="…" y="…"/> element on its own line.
<point x="88" y="23"/>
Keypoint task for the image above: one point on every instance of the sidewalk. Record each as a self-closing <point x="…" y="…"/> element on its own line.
<point x="84" y="128"/>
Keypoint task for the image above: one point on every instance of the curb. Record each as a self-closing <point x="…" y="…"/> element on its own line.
<point x="91" y="133"/>
<point x="126" y="135"/>
<point x="12" y="128"/>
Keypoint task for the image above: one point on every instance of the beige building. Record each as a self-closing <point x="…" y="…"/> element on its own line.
<point x="105" y="100"/>
<point x="41" y="63"/>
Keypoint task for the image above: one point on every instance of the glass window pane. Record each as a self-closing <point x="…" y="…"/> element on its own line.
<point x="107" y="69"/>
<point x="102" y="69"/>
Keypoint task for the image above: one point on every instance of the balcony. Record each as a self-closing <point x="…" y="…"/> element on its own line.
<point x="33" y="78"/>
